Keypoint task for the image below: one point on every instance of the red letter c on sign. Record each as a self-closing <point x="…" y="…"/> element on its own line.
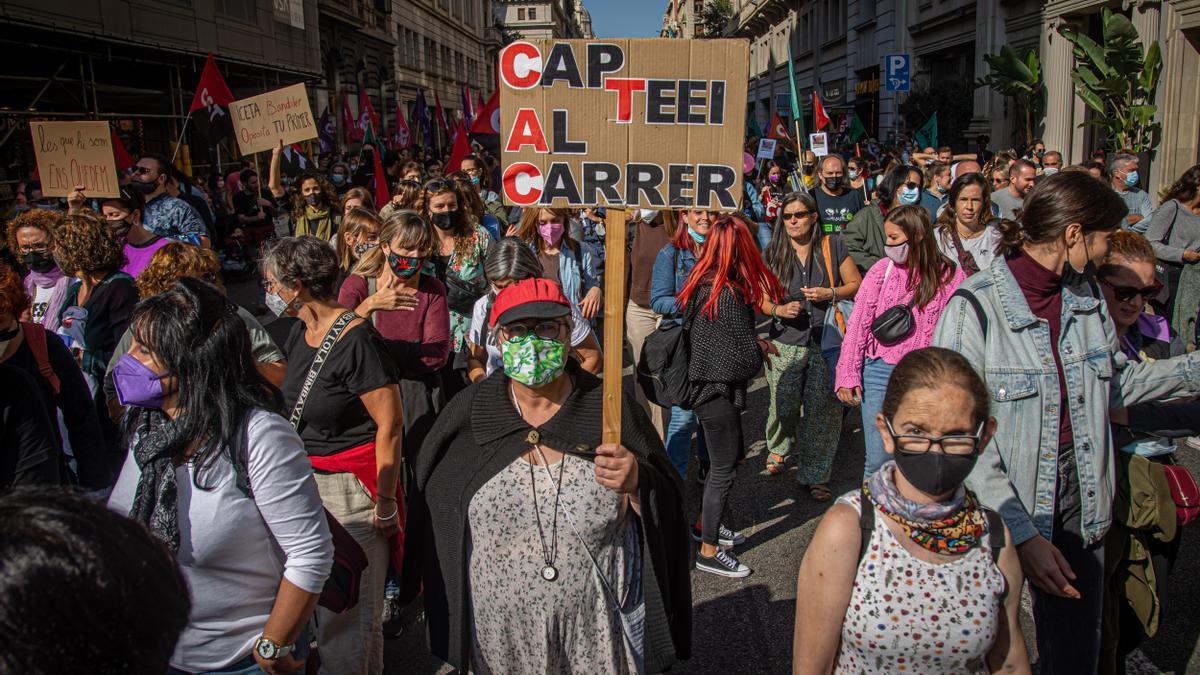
<point x="523" y="183"/>
<point x="521" y="65"/>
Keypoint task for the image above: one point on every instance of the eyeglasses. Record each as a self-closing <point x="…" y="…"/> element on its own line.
<point x="957" y="444"/>
<point x="547" y="330"/>
<point x="796" y="215"/>
<point x="33" y="248"/>
<point x="1127" y="293"/>
<point x="912" y="186"/>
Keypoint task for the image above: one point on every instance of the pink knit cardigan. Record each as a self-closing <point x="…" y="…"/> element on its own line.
<point x="875" y="296"/>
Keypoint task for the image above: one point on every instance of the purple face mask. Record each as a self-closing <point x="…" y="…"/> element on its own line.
<point x="136" y="384"/>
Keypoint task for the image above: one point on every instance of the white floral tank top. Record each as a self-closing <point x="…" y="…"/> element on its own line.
<point x="908" y="615"/>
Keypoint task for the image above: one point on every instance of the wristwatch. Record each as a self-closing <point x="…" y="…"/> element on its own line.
<point x="270" y="651"/>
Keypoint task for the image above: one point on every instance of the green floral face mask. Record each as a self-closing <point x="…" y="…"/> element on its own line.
<point x="533" y="361"/>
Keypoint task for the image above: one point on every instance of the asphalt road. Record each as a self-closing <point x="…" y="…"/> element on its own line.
<point x="745" y="625"/>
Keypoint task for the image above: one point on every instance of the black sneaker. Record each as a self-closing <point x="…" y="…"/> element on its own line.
<point x="725" y="536"/>
<point x="393" y="617"/>
<point x="723" y="564"/>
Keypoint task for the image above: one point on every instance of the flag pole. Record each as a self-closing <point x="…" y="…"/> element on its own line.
<point x="179" y="141"/>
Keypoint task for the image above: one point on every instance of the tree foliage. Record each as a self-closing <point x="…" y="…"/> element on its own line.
<point x="1118" y="80"/>
<point x="1018" y="77"/>
<point x="714" y="17"/>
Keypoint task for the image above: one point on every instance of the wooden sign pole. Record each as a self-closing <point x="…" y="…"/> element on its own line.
<point x="614" y="322"/>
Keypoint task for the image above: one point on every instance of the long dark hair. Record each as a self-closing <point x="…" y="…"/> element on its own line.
<point x="928" y="269"/>
<point x="946" y="221"/>
<point x="194" y="331"/>
<point x="779" y="254"/>
<point x="1184" y="189"/>
<point x="1056" y="202"/>
<point x="886" y="189"/>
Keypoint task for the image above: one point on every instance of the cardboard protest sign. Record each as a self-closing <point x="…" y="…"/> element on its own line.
<point x="75" y="153"/>
<point x="647" y="123"/>
<point x="260" y="122"/>
<point x="819" y="144"/>
<point x="766" y="148"/>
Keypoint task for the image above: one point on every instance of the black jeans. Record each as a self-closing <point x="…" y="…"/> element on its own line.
<point x="1068" y="631"/>
<point x="722" y="424"/>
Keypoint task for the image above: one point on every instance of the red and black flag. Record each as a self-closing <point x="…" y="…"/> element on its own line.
<point x="210" y="105"/>
<point x="486" y="129"/>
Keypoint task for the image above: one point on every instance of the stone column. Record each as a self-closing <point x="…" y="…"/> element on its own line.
<point x="987" y="114"/>
<point x="1057" y="62"/>
<point x="1178" y="96"/>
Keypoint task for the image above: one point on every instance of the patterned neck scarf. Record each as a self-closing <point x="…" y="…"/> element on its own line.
<point x="155" y="503"/>
<point x="947" y="528"/>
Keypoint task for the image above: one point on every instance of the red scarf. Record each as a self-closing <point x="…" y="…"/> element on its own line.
<point x="360" y="461"/>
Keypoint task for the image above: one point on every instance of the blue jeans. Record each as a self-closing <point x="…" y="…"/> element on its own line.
<point x="683" y="424"/>
<point x="764" y="235"/>
<point x="874" y="383"/>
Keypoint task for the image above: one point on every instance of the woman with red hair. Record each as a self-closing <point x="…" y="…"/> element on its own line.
<point x="728" y="282"/>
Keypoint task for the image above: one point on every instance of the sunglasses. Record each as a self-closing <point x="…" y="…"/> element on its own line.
<point x="141" y="170"/>
<point x="797" y="215"/>
<point x="1127" y="293"/>
<point x="439" y="185"/>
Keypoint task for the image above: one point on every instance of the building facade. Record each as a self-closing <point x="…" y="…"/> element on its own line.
<point x="681" y="19"/>
<point x="137" y="63"/>
<point x="533" y="19"/>
<point x="1175" y="25"/>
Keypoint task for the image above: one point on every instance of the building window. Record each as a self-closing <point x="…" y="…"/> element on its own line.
<point x="835" y="19"/>
<point x="239" y="9"/>
<point x="430" y="51"/>
<point x="521" y="14"/>
<point x="803" y="39"/>
<point x="533" y="13"/>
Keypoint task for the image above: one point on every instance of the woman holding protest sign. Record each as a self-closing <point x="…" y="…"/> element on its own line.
<point x="720" y="297"/>
<point x="815" y="271"/>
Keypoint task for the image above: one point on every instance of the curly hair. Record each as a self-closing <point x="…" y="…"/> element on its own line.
<point x="307" y="262"/>
<point x="49" y="222"/>
<point x="13" y="298"/>
<point x="299" y="206"/>
<point x="86" y="244"/>
<point x="177" y="261"/>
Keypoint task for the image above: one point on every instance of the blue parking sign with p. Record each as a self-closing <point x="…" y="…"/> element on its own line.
<point x="897" y="70"/>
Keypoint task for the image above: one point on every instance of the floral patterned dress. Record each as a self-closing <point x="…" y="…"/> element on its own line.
<point x="467" y="268"/>
<point x="909" y="615"/>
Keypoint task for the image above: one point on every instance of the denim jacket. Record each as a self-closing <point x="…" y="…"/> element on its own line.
<point x="1017" y="470"/>
<point x="577" y="278"/>
<point x="671" y="270"/>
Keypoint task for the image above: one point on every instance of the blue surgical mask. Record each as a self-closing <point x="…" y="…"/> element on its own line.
<point x="338" y="179"/>
<point x="696" y="236"/>
<point x="910" y="196"/>
<point x="474" y="180"/>
<point x="1131" y="179"/>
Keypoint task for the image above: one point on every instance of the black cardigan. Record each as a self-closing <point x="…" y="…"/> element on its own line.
<point x="478" y="434"/>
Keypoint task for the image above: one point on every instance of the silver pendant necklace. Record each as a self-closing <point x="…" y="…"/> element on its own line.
<point x="549" y="553"/>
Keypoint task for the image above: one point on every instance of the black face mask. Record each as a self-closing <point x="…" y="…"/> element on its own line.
<point x="934" y="473"/>
<point x="1074" y="277"/>
<point x="119" y="228"/>
<point x="447" y="220"/>
<point x="143" y="187"/>
<point x="38" y="262"/>
<point x="808" y="170"/>
<point x="313" y="199"/>
<point x="833" y="184"/>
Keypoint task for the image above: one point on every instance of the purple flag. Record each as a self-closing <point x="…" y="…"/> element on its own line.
<point x="421" y="117"/>
<point x="326" y="130"/>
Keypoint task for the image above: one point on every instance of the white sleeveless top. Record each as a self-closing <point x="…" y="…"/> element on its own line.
<point x="908" y="615"/>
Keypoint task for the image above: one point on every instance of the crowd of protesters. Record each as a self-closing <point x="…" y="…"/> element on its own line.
<point x="409" y="410"/>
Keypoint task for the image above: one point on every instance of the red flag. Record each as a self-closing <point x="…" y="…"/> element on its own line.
<point x="353" y="132"/>
<point x="820" y="119"/>
<point x="366" y="114"/>
<point x="488" y="119"/>
<point x="441" y="118"/>
<point x="212" y="88"/>
<point x="402" y="138"/>
<point x="382" y="196"/>
<point x="480" y="105"/>
<point x="778" y="129"/>
<point x="462" y="148"/>
<point x="124" y="161"/>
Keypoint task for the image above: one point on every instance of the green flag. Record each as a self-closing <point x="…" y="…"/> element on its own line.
<point x="856" y="130"/>
<point x="926" y="136"/>
<point x="797" y="113"/>
<point x="752" y="130"/>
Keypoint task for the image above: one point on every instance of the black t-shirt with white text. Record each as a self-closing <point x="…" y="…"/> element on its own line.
<point x="836" y="211"/>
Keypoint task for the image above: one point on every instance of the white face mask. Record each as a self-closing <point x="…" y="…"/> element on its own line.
<point x="276" y="304"/>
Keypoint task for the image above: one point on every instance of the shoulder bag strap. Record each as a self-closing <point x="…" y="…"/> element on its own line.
<point x="829" y="269"/>
<point x="996" y="538"/>
<point x="866" y="522"/>
<point x="976" y="305"/>
<point x="327" y="343"/>
<point x="35" y="336"/>
<point x="966" y="260"/>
